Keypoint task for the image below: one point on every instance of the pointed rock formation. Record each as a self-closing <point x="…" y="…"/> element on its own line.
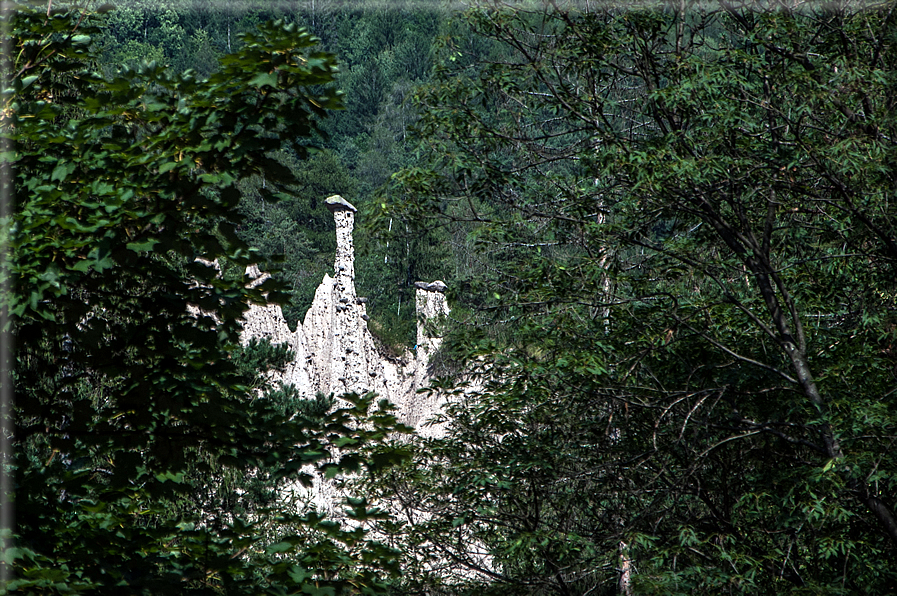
<point x="336" y="353"/>
<point x="334" y="350"/>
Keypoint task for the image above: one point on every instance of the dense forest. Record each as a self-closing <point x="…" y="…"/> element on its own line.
<point x="669" y="235"/>
<point x="384" y="52"/>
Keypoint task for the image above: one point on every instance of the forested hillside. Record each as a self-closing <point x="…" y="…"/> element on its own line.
<point x="669" y="235"/>
<point x="383" y="51"/>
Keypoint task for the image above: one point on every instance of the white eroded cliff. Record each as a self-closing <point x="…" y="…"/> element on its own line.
<point x="334" y="350"/>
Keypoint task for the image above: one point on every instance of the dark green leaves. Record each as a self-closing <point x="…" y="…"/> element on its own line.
<point x="674" y="244"/>
<point x="262" y="79"/>
<point x="147" y="460"/>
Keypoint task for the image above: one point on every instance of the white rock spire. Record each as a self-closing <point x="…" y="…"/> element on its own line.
<point x="348" y="365"/>
<point x="335" y="352"/>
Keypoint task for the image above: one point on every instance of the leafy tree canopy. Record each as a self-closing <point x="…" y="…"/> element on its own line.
<point x="127" y="394"/>
<point x="679" y="238"/>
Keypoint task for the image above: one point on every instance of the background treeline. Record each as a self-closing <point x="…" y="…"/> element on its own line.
<point x="384" y="50"/>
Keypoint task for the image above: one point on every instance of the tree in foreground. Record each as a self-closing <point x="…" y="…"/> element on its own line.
<point x="678" y="224"/>
<point x="130" y="403"/>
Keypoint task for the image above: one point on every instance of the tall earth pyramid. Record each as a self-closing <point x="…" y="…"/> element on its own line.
<point x="334" y="350"/>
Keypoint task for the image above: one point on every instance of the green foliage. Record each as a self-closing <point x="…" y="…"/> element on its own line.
<point x="383" y="52"/>
<point x="675" y="231"/>
<point x="128" y="393"/>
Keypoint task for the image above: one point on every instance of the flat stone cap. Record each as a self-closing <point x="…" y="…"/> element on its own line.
<point x="337" y="203"/>
<point x="434" y="286"/>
